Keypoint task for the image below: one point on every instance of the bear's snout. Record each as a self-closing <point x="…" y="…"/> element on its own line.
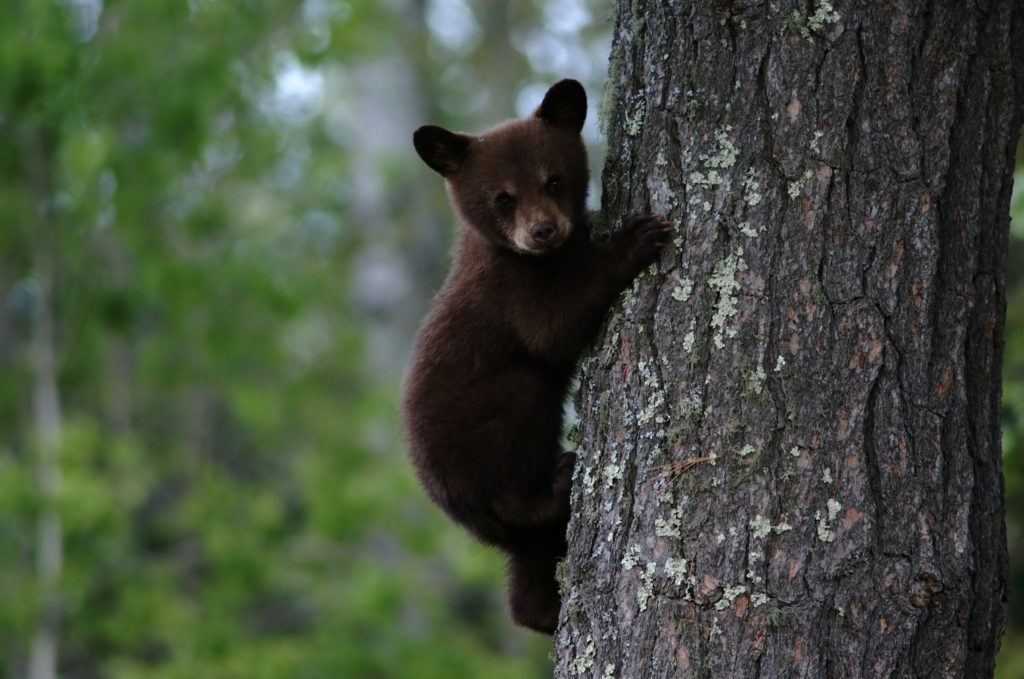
<point x="543" y="231"/>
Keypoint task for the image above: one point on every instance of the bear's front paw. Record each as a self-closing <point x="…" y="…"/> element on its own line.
<point x="642" y="236"/>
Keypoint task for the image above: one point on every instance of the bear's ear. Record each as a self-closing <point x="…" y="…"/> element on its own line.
<point x="565" y="106"/>
<point x="442" y="150"/>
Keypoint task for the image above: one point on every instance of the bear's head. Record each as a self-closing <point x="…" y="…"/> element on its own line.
<point x="523" y="184"/>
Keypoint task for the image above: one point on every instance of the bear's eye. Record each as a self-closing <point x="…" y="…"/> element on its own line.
<point x="504" y="201"/>
<point x="554" y="185"/>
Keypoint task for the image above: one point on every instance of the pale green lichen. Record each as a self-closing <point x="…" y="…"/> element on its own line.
<point x="782" y="527"/>
<point x="727" y="151"/>
<point x="794" y="451"/>
<point x="760" y="526"/>
<point x="825" y="533"/>
<point x="751" y="189"/>
<point x="826" y="476"/>
<point x="609" y="671"/>
<point x="723" y="281"/>
<point x="759" y="599"/>
<point x="656" y="401"/>
<point x="630" y="558"/>
<point x="650" y="377"/>
<point x="689" y="408"/>
<point x="780" y="362"/>
<point x="746" y="450"/>
<point x="611" y="473"/>
<point x="646" y="590"/>
<point x="667" y="528"/>
<point x="584" y="662"/>
<point x="676" y="569"/>
<point x="682" y="290"/>
<point x="588" y="481"/>
<point x="816" y="140"/>
<point x="796" y="187"/>
<point x="824" y="13"/>
<point x="708" y="180"/>
<point x="755" y="381"/>
<point x="724" y="157"/>
<point x="729" y="594"/>
<point x="715" y="632"/>
<point x="688" y="340"/>
<point x="635" y="118"/>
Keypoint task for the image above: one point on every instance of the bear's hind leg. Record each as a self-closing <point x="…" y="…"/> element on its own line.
<point x="533" y="595"/>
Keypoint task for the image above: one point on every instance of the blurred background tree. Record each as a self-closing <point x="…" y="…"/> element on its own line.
<point x="215" y="246"/>
<point x="1010" y="663"/>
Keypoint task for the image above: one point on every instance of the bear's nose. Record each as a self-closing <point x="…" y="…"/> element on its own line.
<point x="543" y="231"/>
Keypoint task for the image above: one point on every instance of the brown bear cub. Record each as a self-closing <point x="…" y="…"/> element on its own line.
<point x="526" y="294"/>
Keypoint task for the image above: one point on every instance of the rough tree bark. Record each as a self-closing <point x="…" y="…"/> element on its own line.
<point x="790" y="443"/>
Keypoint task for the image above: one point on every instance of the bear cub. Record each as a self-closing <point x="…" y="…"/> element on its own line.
<point x="483" y="396"/>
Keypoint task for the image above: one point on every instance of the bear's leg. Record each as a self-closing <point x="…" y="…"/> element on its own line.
<point x="537" y="503"/>
<point x="533" y="595"/>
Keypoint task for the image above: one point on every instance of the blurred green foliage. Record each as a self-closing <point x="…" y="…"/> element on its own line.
<point x="219" y="205"/>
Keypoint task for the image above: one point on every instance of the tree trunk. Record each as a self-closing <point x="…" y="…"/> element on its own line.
<point x="790" y="436"/>
<point x="47" y="423"/>
<point x="46" y="415"/>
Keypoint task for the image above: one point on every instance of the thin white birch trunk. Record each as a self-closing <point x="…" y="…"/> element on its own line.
<point x="47" y="422"/>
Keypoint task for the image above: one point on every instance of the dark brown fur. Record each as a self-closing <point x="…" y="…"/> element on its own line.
<point x="526" y="293"/>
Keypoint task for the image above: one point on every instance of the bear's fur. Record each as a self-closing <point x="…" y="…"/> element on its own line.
<point x="484" y="391"/>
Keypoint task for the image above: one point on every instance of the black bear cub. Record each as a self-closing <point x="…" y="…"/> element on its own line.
<point x="526" y="293"/>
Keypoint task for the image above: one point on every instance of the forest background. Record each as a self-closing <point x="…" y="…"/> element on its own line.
<point x="216" y="243"/>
